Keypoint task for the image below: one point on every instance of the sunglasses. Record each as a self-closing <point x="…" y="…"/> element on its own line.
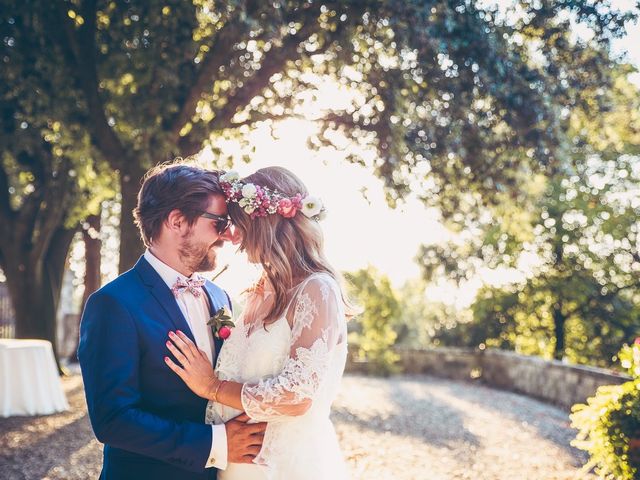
<point x="223" y="222"/>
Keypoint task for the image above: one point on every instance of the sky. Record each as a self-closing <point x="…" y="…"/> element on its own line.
<point x="359" y="231"/>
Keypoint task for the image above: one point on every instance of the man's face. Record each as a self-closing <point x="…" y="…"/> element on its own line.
<point x="198" y="247"/>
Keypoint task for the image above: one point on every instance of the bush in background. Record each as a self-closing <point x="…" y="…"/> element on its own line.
<point x="373" y="332"/>
<point x="609" y="424"/>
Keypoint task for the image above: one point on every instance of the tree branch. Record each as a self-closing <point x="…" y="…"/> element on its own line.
<point x="602" y="298"/>
<point x="221" y="52"/>
<point x="81" y="47"/>
<point x="5" y="199"/>
<point x="58" y="191"/>
<point x="23" y="224"/>
<point x="347" y="121"/>
<point x="274" y="62"/>
<point x="263" y="117"/>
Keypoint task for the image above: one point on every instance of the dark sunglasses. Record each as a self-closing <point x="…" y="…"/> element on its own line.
<point x="223" y="222"/>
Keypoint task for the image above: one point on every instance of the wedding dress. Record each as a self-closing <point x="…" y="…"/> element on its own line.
<point x="292" y="370"/>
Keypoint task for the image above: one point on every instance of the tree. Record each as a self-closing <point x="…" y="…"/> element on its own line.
<point x="378" y="321"/>
<point x="35" y="188"/>
<point x="444" y="90"/>
<point x="420" y="318"/>
<point x="581" y="298"/>
<point x="93" y="260"/>
<point x="47" y="178"/>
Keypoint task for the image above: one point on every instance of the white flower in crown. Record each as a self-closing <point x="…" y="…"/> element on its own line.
<point x="249" y="190"/>
<point x="249" y="209"/>
<point x="230" y="177"/>
<point x="311" y="206"/>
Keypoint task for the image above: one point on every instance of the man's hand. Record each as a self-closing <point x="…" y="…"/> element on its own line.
<point x="244" y="440"/>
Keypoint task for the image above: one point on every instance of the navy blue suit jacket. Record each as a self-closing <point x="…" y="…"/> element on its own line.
<point x="152" y="425"/>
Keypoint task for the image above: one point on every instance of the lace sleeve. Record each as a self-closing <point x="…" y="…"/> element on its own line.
<point x="318" y="326"/>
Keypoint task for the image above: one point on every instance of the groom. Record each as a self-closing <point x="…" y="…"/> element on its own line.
<point x="152" y="425"/>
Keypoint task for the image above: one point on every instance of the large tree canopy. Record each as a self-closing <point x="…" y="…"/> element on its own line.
<point x="578" y="229"/>
<point x="460" y="99"/>
<point x="447" y="91"/>
<point x="47" y="179"/>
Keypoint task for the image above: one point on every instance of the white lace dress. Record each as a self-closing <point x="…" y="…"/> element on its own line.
<point x="292" y="372"/>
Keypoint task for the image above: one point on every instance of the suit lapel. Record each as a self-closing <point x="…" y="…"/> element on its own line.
<point x="214" y="306"/>
<point x="162" y="293"/>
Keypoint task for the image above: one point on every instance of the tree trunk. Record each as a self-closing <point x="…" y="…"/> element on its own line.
<point x="559" y="320"/>
<point x="93" y="261"/>
<point x="34" y="286"/>
<point x="131" y="246"/>
<point x="559" y="317"/>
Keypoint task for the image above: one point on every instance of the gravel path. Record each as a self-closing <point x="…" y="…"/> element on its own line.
<point x="419" y="427"/>
<point x="406" y="427"/>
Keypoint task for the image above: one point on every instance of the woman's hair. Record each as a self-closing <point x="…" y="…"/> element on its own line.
<point x="289" y="249"/>
<point x="170" y="186"/>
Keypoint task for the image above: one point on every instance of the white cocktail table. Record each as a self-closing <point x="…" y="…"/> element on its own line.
<point x="29" y="380"/>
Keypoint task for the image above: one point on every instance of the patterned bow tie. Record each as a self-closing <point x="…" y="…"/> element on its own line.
<point x="194" y="285"/>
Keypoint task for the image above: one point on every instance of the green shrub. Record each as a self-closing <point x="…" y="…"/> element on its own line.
<point x="373" y="332"/>
<point x="609" y="424"/>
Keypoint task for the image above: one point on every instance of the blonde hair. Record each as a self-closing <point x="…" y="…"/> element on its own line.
<point x="289" y="249"/>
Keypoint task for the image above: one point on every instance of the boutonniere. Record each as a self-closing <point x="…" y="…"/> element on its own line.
<point x="221" y="323"/>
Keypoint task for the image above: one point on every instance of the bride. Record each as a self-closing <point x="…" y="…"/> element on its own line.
<point x="284" y="360"/>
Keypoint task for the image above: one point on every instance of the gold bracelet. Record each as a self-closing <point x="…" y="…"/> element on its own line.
<point x="215" y="392"/>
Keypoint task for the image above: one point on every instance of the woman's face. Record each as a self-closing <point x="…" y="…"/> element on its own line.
<point x="236" y="235"/>
<point x="236" y="239"/>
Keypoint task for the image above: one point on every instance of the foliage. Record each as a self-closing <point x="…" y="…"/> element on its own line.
<point x="629" y="357"/>
<point x="48" y="180"/>
<point x="572" y="236"/>
<point x="609" y="424"/>
<point x="448" y="93"/>
<point x="375" y="331"/>
<point x="421" y="318"/>
<point x="445" y="91"/>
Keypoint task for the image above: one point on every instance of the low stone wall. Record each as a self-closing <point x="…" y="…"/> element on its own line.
<point x="454" y="363"/>
<point x="549" y="380"/>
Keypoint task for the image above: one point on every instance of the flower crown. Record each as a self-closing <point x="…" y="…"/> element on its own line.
<point x="259" y="201"/>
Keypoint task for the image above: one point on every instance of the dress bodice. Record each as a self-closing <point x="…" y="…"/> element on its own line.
<point x="250" y="357"/>
<point x="291" y="374"/>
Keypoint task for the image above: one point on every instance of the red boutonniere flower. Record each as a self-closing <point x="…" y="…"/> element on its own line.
<point x="221" y="323"/>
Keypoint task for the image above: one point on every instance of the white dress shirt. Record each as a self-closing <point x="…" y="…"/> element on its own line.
<point x="196" y="312"/>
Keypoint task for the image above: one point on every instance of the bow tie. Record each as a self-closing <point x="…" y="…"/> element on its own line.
<point x="194" y="285"/>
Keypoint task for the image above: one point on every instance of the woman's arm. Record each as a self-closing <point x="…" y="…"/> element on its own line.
<point x="317" y="326"/>
<point x="196" y="371"/>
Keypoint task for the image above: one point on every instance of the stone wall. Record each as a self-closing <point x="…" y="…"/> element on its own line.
<point x="549" y="380"/>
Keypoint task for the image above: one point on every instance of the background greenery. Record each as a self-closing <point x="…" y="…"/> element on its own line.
<point x="524" y="135"/>
<point x="609" y="423"/>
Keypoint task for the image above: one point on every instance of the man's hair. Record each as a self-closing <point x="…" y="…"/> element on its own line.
<point x="171" y="186"/>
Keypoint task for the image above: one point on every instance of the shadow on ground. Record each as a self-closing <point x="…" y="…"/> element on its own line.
<point x="394" y="418"/>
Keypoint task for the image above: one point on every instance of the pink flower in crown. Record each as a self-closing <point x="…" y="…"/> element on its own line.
<point x="297" y="201"/>
<point x="227" y="189"/>
<point x="286" y="208"/>
<point x="636" y="341"/>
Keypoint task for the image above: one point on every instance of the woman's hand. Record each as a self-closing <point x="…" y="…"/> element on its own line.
<point x="196" y="370"/>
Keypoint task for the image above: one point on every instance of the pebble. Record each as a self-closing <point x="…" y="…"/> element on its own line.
<point x="401" y="427"/>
